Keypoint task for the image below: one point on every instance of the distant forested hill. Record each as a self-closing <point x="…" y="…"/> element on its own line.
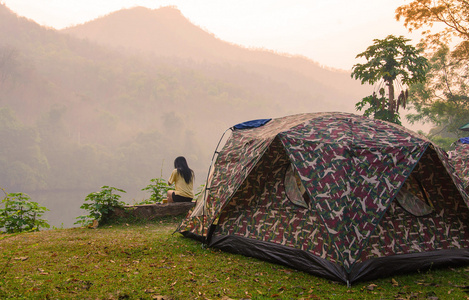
<point x="166" y="33"/>
<point x="115" y="100"/>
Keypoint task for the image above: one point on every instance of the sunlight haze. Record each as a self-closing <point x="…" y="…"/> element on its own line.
<point x="331" y="32"/>
<point x="108" y="93"/>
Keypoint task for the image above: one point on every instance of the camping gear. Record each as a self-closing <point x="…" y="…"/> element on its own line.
<point x="336" y="195"/>
<point x="465" y="127"/>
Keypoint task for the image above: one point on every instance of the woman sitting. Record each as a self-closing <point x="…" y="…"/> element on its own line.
<point x="183" y="179"/>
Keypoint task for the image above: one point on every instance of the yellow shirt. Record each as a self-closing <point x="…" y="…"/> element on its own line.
<point x="181" y="187"/>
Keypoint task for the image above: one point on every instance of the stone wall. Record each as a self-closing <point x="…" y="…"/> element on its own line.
<point x="151" y="211"/>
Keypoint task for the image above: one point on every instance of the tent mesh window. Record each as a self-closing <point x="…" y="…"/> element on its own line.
<point x="294" y="188"/>
<point x="414" y="199"/>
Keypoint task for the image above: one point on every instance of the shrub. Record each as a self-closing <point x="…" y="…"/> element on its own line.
<point x="158" y="189"/>
<point x="101" y="205"/>
<point x="20" y="214"/>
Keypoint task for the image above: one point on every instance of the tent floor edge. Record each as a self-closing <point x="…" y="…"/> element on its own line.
<point x="193" y="236"/>
<point x="405" y="263"/>
<point x="278" y="254"/>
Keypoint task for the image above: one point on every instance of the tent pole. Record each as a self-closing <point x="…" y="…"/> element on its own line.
<point x="206" y="181"/>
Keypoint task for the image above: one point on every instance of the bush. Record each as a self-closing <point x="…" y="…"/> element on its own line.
<point x="20" y="214"/>
<point x="101" y="205"/>
<point x="158" y="189"/>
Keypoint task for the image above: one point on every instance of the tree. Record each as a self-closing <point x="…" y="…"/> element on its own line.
<point x="443" y="99"/>
<point x="22" y="162"/>
<point x="451" y="14"/>
<point x="395" y="64"/>
<point x="8" y="62"/>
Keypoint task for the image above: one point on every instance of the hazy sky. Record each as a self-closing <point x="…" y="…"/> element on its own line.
<point x="331" y="32"/>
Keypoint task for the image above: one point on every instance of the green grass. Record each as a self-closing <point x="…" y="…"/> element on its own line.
<point x="147" y="261"/>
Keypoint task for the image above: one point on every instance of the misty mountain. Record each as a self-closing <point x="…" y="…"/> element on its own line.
<point x="165" y="32"/>
<point x="115" y="100"/>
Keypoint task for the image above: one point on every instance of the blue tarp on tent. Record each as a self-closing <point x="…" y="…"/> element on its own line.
<point x="464" y="140"/>
<point x="251" y="124"/>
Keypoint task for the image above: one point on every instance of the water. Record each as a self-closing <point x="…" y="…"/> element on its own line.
<point x="64" y="205"/>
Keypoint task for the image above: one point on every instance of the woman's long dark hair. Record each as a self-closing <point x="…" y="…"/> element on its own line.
<point x="180" y="164"/>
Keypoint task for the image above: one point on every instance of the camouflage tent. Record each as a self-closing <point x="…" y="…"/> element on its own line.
<point x="336" y="195"/>
<point x="459" y="157"/>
